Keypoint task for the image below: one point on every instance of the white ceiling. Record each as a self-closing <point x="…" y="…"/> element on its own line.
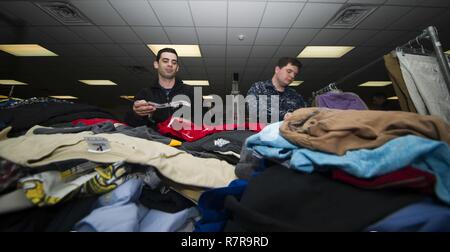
<point x="114" y="45"/>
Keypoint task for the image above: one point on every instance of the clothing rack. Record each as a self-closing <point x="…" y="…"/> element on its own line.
<point x="430" y="33"/>
<point x="328" y="88"/>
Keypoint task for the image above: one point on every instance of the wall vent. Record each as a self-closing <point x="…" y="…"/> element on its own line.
<point x="64" y="12"/>
<point x="350" y="16"/>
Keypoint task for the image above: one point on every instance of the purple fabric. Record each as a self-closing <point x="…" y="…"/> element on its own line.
<point x="343" y="101"/>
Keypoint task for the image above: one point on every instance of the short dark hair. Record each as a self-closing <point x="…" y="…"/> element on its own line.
<point x="167" y="49"/>
<point x="282" y="62"/>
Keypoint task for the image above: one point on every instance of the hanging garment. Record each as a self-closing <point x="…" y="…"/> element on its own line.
<point x="426" y="84"/>
<point x="341" y="100"/>
<point x="395" y="74"/>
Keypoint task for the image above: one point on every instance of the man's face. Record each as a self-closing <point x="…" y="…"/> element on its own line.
<point x="167" y="65"/>
<point x="286" y="74"/>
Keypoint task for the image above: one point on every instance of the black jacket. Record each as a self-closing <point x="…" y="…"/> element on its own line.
<point x="155" y="93"/>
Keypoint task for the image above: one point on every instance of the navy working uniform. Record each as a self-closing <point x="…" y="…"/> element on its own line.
<point x="289" y="100"/>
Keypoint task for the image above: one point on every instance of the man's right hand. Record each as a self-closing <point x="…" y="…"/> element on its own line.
<point x="143" y="108"/>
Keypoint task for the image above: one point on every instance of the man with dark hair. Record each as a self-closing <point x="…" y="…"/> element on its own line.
<point x="162" y="90"/>
<point x="289" y="100"/>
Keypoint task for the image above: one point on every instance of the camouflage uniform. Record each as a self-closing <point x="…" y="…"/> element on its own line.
<point x="290" y="100"/>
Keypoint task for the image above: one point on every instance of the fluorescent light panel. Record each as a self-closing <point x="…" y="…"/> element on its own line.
<point x="65" y="97"/>
<point x="196" y="82"/>
<point x="296" y="83"/>
<point x="24" y="50"/>
<point x="208" y="97"/>
<point x="6" y="97"/>
<point x="98" y="82"/>
<point x="376" y="84"/>
<point x="325" y="51"/>
<point x="393" y="98"/>
<point x="11" y="82"/>
<point x="182" y="50"/>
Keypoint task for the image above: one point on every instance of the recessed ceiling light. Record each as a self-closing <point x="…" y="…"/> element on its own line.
<point x="296" y="83"/>
<point x="182" y="50"/>
<point x="11" y="82"/>
<point x="325" y="51"/>
<point x="24" y="50"/>
<point x="65" y="97"/>
<point x="376" y="84"/>
<point x="98" y="82"/>
<point x="196" y="82"/>
<point x="127" y="97"/>
<point x="6" y="97"/>
<point x="393" y="98"/>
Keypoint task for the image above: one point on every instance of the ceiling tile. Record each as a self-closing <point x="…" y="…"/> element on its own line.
<point x="270" y="36"/>
<point x="61" y="34"/>
<point x="263" y="51"/>
<point x="111" y="50"/>
<point x="383" y="38"/>
<point x="28" y="12"/>
<point x="435" y="3"/>
<point x="173" y="13"/>
<point x="151" y="35"/>
<point x="209" y="13"/>
<point x="300" y="36"/>
<point x="384" y="16"/>
<point x="357" y="37"/>
<point x="403" y="2"/>
<point x="100" y="12"/>
<point x="275" y="10"/>
<point x="212" y="36"/>
<point x="236" y="62"/>
<point x="192" y="62"/>
<point x="316" y="15"/>
<point x="288" y="51"/>
<point x="214" y="62"/>
<point x="238" y="51"/>
<point x="121" y="34"/>
<point x="182" y="35"/>
<point x="257" y="63"/>
<point x="245" y="14"/>
<point x="329" y="36"/>
<point x="212" y="51"/>
<point x="137" y="50"/>
<point x="135" y="12"/>
<point x="91" y="34"/>
<point x="417" y="19"/>
<point x="75" y="50"/>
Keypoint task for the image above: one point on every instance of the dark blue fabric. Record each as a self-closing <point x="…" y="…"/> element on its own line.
<point x="212" y="209"/>
<point x="425" y="216"/>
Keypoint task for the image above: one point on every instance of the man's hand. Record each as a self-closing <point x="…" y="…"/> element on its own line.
<point x="287" y="115"/>
<point x="143" y="108"/>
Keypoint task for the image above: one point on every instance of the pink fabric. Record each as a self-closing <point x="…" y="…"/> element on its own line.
<point x="93" y="121"/>
<point x="408" y="177"/>
<point x="188" y="133"/>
